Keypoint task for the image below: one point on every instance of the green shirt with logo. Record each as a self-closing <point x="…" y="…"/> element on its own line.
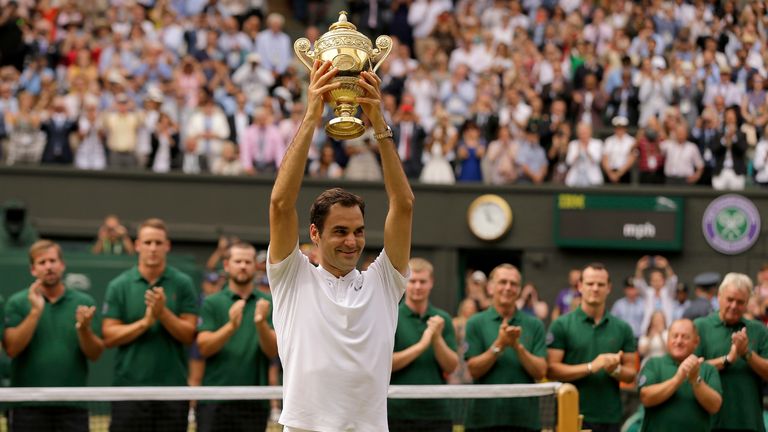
<point x="240" y="362"/>
<point x="155" y="358"/>
<point x="424" y="369"/>
<point x="742" y="387"/>
<point x="681" y="411"/>
<point x="482" y="331"/>
<point x="53" y="357"/>
<point x="582" y="340"/>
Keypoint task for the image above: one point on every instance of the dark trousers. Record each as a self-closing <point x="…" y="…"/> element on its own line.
<point x="402" y="425"/>
<point x="602" y="427"/>
<point x="149" y="416"/>
<point x="501" y="429"/>
<point x="232" y="416"/>
<point x="48" y="419"/>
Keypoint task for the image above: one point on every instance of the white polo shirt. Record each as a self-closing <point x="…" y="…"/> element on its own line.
<point x="335" y="338"/>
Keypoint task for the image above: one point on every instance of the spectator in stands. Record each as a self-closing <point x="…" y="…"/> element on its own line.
<point x="623" y="99"/>
<point x="619" y="153"/>
<point x="706" y="135"/>
<point x="529" y="302"/>
<point x="274" y="45"/>
<point x="476" y="287"/>
<point x="113" y="238"/>
<point x="424" y="353"/>
<point x="678" y="389"/>
<point x="655" y="89"/>
<point x="558" y="152"/>
<point x="594" y="350"/>
<point x="681" y="301"/>
<point x="235" y="329"/>
<point x="682" y="161"/>
<point x="469" y="154"/>
<point x="565" y="298"/>
<point x="730" y="154"/>
<point x="653" y="342"/>
<point x="240" y="118"/>
<point x="50" y="335"/>
<point x="584" y="156"/>
<point x="326" y="166"/>
<point x="738" y="348"/>
<point x="229" y="163"/>
<point x="262" y="147"/>
<point x="590" y="102"/>
<point x="121" y="127"/>
<point x="57" y="130"/>
<point x="254" y="79"/>
<point x="409" y="137"/>
<point x="754" y="104"/>
<point x="25" y="142"/>
<point x="467" y="308"/>
<point x="659" y="291"/>
<point x="91" y="153"/>
<point x="531" y="158"/>
<point x="150" y="313"/>
<point x="500" y="159"/>
<point x="505" y="346"/>
<point x="631" y="307"/>
<point x="164" y="153"/>
<point x="705" y="295"/>
<point x="205" y="131"/>
<point x="760" y="161"/>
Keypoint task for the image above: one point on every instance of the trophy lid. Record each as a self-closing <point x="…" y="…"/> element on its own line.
<point x="342" y="23"/>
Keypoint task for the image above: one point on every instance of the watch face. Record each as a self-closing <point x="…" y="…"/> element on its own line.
<point x="489" y="219"/>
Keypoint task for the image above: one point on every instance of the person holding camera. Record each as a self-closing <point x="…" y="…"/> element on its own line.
<point x="113" y="238"/>
<point x="659" y="290"/>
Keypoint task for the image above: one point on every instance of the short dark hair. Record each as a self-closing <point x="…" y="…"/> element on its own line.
<point x="595" y="266"/>
<point x="322" y="205"/>
<point x="238" y="244"/>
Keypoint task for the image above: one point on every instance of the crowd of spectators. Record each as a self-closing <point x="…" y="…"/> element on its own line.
<point x="501" y="91"/>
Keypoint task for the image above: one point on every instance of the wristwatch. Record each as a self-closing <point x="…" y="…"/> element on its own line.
<point x="496" y="350"/>
<point x="726" y="362"/>
<point x="386" y="133"/>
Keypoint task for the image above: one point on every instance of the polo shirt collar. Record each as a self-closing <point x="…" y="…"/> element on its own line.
<point x="235" y="296"/>
<point x="494" y="314"/>
<point x="430" y="311"/>
<point x="720" y="323"/>
<point x="60" y="299"/>
<point x="586" y="318"/>
<point x="136" y="276"/>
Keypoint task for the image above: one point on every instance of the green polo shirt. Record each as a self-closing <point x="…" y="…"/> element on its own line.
<point x="583" y="340"/>
<point x="155" y="358"/>
<point x="482" y="330"/>
<point x="424" y="369"/>
<point x="53" y="357"/>
<point x="681" y="411"/>
<point x="742" y="387"/>
<point x="240" y="362"/>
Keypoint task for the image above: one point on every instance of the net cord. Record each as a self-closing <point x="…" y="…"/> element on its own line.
<point x="106" y="394"/>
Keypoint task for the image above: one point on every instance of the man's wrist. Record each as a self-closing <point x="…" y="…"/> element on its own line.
<point x="497" y="349"/>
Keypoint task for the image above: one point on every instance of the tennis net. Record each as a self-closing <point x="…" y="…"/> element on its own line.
<point x="547" y="406"/>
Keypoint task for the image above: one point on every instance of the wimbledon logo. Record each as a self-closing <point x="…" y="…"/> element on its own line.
<point x="731" y="224"/>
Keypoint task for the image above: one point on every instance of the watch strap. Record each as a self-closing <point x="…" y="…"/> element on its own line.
<point x="386" y="133"/>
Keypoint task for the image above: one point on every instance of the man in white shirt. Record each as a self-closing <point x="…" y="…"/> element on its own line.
<point x="619" y="153"/>
<point x="683" y="163"/>
<point x="335" y="325"/>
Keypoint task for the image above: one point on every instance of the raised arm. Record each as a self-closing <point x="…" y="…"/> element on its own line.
<point x="283" y="218"/>
<point x="397" y="228"/>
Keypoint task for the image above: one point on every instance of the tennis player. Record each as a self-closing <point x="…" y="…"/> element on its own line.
<point x="335" y="326"/>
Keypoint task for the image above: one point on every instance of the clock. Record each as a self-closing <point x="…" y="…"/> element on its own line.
<point x="489" y="217"/>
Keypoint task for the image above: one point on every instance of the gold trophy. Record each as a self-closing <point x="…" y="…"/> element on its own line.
<point x="350" y="52"/>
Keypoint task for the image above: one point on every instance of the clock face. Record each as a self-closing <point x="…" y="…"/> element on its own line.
<point x="489" y="217"/>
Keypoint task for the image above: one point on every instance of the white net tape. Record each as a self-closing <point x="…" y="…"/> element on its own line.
<point x="106" y="394"/>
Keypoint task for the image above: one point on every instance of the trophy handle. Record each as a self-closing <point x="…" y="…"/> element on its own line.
<point x="382" y="50"/>
<point x="307" y="56"/>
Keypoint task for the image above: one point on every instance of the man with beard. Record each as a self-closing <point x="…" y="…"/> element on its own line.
<point x="594" y="350"/>
<point x="505" y="346"/>
<point x="49" y="337"/>
<point x="738" y="348"/>
<point x="150" y="313"/>
<point x="234" y="330"/>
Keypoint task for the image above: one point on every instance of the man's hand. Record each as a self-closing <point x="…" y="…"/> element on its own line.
<point x="660" y="262"/>
<point x="317" y="93"/>
<point x="740" y="342"/>
<point x="686" y="367"/>
<point x="35" y="296"/>
<point x="695" y="369"/>
<point x="371" y="101"/>
<point x="262" y="311"/>
<point x="438" y="324"/>
<point x="155" y="296"/>
<point x="84" y="316"/>
<point x="607" y="361"/>
<point x="643" y="263"/>
<point x="236" y="313"/>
